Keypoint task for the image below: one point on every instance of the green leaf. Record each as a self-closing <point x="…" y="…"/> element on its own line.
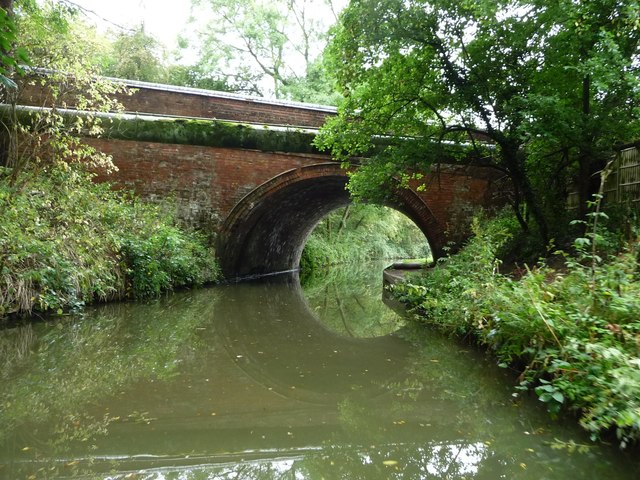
<point x="8" y="83"/>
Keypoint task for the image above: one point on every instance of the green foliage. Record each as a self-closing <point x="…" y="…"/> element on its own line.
<point x="360" y="233"/>
<point x="346" y="300"/>
<point x="198" y="75"/>
<point x="136" y="56"/>
<point x="54" y="39"/>
<point x="552" y="87"/>
<point x="246" y="43"/>
<point x="53" y="372"/>
<point x="214" y="133"/>
<point x="317" y="86"/>
<point x="166" y="258"/>
<point x="266" y="47"/>
<point x="10" y="59"/>
<point x="65" y="241"/>
<point x="573" y="332"/>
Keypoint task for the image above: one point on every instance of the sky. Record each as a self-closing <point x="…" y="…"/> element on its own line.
<point x="164" y="19"/>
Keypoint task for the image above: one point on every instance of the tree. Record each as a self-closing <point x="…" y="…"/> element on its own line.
<point x="135" y="55"/>
<point x="542" y="90"/>
<point x="317" y="86"/>
<point x="10" y="58"/>
<point x="9" y="61"/>
<point x="53" y="38"/>
<point x="197" y="76"/>
<point x="268" y="45"/>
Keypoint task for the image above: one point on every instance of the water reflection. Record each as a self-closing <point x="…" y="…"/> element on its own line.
<point x="249" y="381"/>
<point x="269" y="331"/>
<point x="347" y="301"/>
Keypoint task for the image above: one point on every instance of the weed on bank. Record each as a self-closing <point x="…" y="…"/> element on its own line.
<point x="573" y="332"/>
<point x="66" y="241"/>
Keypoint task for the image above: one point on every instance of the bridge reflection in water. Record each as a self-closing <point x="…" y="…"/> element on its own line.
<point x="254" y="381"/>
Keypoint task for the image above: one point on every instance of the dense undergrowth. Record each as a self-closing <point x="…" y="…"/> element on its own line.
<point x="573" y="331"/>
<point x="361" y="233"/>
<point x="65" y="242"/>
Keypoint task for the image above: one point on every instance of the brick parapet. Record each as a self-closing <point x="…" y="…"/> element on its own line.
<point x="172" y="101"/>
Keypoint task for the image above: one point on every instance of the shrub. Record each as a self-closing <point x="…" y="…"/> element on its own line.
<point x="65" y="241"/>
<point x="573" y="332"/>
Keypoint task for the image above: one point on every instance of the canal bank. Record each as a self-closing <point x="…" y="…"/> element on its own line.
<point x="568" y="331"/>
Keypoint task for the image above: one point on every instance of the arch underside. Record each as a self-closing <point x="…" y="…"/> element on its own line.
<point x="266" y="232"/>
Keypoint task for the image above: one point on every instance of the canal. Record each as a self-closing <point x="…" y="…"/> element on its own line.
<point x="271" y="380"/>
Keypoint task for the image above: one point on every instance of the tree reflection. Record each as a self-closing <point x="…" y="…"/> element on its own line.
<point x="253" y="386"/>
<point x="396" y="461"/>
<point x="347" y="300"/>
<point x="73" y="363"/>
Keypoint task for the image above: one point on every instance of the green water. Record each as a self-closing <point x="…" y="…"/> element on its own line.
<point x="271" y="381"/>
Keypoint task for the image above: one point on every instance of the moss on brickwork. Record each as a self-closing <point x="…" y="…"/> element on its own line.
<point x="212" y="133"/>
<point x="209" y="133"/>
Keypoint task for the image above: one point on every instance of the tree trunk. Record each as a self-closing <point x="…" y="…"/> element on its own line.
<point x="513" y="159"/>
<point x="587" y="180"/>
<point x="343" y="221"/>
<point x="533" y="202"/>
<point x="5" y="133"/>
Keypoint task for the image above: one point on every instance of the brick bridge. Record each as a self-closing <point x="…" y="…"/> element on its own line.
<point x="245" y="168"/>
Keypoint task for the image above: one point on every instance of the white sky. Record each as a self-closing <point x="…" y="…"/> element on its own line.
<point x="164" y="19"/>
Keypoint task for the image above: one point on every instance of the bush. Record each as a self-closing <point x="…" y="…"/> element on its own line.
<point x="65" y="241"/>
<point x="166" y="259"/>
<point x="573" y="332"/>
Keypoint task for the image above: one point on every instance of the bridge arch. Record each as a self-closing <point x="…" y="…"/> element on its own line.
<point x="267" y="229"/>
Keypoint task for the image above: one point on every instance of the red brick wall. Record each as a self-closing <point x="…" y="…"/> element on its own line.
<point x="453" y="193"/>
<point x="220" y="107"/>
<point x="205" y="104"/>
<point x="205" y="181"/>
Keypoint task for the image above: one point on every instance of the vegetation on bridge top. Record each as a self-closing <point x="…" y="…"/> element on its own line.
<point x="212" y="133"/>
